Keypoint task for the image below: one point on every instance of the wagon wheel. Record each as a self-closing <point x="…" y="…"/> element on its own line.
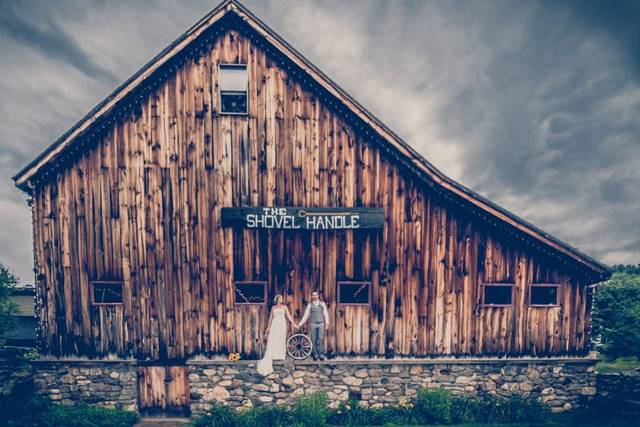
<point x="299" y="346"/>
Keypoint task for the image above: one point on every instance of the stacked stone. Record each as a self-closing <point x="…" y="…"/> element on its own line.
<point x="619" y="385"/>
<point x="13" y="372"/>
<point x="110" y="385"/>
<point x="561" y="386"/>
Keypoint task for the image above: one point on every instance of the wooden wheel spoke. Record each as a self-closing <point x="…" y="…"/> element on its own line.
<point x="299" y="346"/>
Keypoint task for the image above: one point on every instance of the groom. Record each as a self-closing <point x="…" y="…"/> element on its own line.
<point x="318" y="316"/>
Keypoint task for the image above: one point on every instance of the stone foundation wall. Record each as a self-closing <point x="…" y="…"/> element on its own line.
<point x="104" y="383"/>
<point x="619" y="385"/>
<point x="13" y="372"/>
<point x="560" y="384"/>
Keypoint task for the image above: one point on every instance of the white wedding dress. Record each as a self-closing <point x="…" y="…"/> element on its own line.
<point x="276" y="342"/>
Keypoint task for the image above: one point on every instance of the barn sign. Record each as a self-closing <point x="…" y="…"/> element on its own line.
<point x="303" y="218"/>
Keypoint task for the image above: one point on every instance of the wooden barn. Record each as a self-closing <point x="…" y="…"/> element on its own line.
<point x="230" y="169"/>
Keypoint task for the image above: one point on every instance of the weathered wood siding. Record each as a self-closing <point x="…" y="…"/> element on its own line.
<point x="143" y="206"/>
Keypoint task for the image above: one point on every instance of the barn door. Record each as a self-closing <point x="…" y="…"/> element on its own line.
<point x="163" y="390"/>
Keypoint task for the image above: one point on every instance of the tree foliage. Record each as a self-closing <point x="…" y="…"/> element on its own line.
<point x="616" y="312"/>
<point x="7" y="281"/>
<point x="627" y="268"/>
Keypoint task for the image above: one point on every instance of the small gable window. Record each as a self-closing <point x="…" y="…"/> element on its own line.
<point x="106" y="292"/>
<point x="356" y="293"/>
<point x="544" y="295"/>
<point x="251" y="292"/>
<point x="233" y="89"/>
<point x="497" y="294"/>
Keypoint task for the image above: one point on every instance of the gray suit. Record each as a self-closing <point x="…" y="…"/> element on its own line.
<point x="319" y="319"/>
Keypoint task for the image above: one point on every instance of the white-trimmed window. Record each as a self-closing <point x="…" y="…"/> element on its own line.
<point x="354" y="293"/>
<point x="105" y="292"/>
<point x="234" y="81"/>
<point x="497" y="294"/>
<point x="251" y="292"/>
<point x="544" y="295"/>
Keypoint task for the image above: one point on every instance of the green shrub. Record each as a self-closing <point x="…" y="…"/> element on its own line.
<point x="518" y="409"/>
<point x="217" y="416"/>
<point x="7" y="308"/>
<point x="514" y="409"/>
<point x="345" y="414"/>
<point x="434" y="406"/>
<point x="352" y="413"/>
<point x="464" y="410"/>
<point x="440" y="407"/>
<point x="395" y="416"/>
<point x="308" y="411"/>
<point x="311" y="410"/>
<point x="616" y="315"/>
<point x="272" y="416"/>
<point x="89" y="416"/>
<point x="20" y="410"/>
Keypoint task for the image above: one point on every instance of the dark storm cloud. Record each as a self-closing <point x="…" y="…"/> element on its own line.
<point x="533" y="104"/>
<point x="617" y="20"/>
<point x="568" y="135"/>
<point x="41" y="32"/>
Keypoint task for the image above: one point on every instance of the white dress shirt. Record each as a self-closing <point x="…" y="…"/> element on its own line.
<point x="308" y="310"/>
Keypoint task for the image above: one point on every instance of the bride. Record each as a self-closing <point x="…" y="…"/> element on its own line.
<point x="276" y="336"/>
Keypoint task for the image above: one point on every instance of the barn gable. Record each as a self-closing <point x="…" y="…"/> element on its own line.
<point x="231" y="14"/>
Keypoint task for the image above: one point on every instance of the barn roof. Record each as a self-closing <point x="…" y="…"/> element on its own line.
<point x="61" y="148"/>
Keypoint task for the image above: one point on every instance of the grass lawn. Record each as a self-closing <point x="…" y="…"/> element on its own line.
<point x="557" y="420"/>
<point x="601" y="423"/>
<point x="552" y="424"/>
<point x="583" y="424"/>
<point x="617" y="365"/>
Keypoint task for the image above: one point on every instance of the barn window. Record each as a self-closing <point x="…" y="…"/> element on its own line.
<point x="233" y="88"/>
<point x="497" y="294"/>
<point x="544" y="295"/>
<point x="254" y="292"/>
<point x="353" y="293"/>
<point x="106" y="292"/>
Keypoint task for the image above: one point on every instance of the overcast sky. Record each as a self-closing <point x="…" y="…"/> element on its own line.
<point x="535" y="105"/>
